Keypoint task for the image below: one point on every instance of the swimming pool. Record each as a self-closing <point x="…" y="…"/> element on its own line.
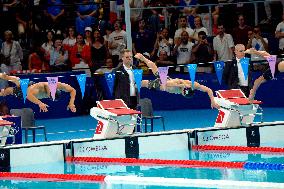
<point x="152" y="176"/>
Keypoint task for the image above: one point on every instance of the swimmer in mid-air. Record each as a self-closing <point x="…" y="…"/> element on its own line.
<point x="267" y="75"/>
<point x="41" y="90"/>
<point x="37" y="91"/>
<point x="176" y="86"/>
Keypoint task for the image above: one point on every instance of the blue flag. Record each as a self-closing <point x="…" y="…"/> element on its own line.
<point x="245" y="65"/>
<point x="192" y="70"/>
<point x="138" y="78"/>
<point x="110" y="81"/>
<point x="219" y="67"/>
<point x="82" y="82"/>
<point x="24" y="83"/>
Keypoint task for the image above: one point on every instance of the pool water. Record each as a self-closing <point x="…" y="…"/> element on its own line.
<point x="69" y="185"/>
<point x="171" y="171"/>
<point x="83" y="127"/>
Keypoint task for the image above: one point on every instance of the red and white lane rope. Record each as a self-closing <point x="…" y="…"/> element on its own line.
<point x="177" y="163"/>
<point x="238" y="149"/>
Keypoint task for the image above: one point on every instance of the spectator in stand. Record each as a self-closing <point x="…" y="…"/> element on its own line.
<point x="99" y="51"/>
<point x="202" y="52"/>
<point x="24" y="20"/>
<point x="215" y="15"/>
<point x="188" y="10"/>
<point x="279" y="33"/>
<point x="183" y="27"/>
<point x="117" y="43"/>
<point x="183" y="50"/>
<point x="267" y="7"/>
<point x="163" y="59"/>
<point x="54" y="13"/>
<point x="136" y="15"/>
<point x="58" y="56"/>
<point x="7" y="15"/>
<point x="88" y="36"/>
<point x="198" y="27"/>
<point x="12" y="52"/>
<point x="108" y="30"/>
<point x="223" y="45"/>
<point x="153" y="19"/>
<point x="250" y="33"/>
<point x="85" y="15"/>
<point x="80" y="54"/>
<point x="142" y="39"/>
<point x="203" y="12"/>
<point x="37" y="60"/>
<point x="70" y="40"/>
<point x="107" y="68"/>
<point x="257" y="42"/>
<point x="240" y="33"/>
<point x="163" y="43"/>
<point x="48" y="44"/>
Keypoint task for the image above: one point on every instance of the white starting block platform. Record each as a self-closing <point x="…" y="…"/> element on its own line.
<point x="235" y="109"/>
<point x="5" y="127"/>
<point x="114" y="118"/>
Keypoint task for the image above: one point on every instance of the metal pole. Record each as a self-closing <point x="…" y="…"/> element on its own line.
<point x="255" y="14"/>
<point x="210" y="32"/>
<point x="166" y="16"/>
<point x="128" y="24"/>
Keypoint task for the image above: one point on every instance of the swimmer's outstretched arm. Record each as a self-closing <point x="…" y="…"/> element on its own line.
<point x="32" y="92"/>
<point x="256" y="85"/>
<point x="151" y="65"/>
<point x="207" y="90"/>
<point x="256" y="52"/>
<point x="13" y="79"/>
<point x="67" y="88"/>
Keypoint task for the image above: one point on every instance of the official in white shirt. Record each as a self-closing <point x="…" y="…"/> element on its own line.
<point x="124" y="84"/>
<point x="233" y="74"/>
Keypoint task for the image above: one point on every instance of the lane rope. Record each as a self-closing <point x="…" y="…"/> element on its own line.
<point x="237" y="148"/>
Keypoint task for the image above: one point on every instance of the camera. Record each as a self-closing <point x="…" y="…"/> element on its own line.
<point x="203" y="37"/>
<point x="78" y="55"/>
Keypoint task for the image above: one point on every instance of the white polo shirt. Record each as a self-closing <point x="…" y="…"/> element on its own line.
<point x="280" y="28"/>
<point x="223" y="47"/>
<point x="131" y="79"/>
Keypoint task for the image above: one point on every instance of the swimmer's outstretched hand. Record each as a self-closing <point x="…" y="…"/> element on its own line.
<point x="251" y="96"/>
<point x="250" y="51"/>
<point x="251" y="99"/>
<point x="214" y="105"/>
<point x="139" y="56"/>
<point x="43" y="107"/>
<point x="72" y="107"/>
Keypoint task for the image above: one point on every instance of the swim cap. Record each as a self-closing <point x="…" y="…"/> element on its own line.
<point x="188" y="92"/>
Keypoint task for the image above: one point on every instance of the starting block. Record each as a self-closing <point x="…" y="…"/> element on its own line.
<point x="236" y="109"/>
<point x="5" y="131"/>
<point x="114" y="118"/>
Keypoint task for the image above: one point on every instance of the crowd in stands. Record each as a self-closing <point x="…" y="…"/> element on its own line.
<point x="61" y="35"/>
